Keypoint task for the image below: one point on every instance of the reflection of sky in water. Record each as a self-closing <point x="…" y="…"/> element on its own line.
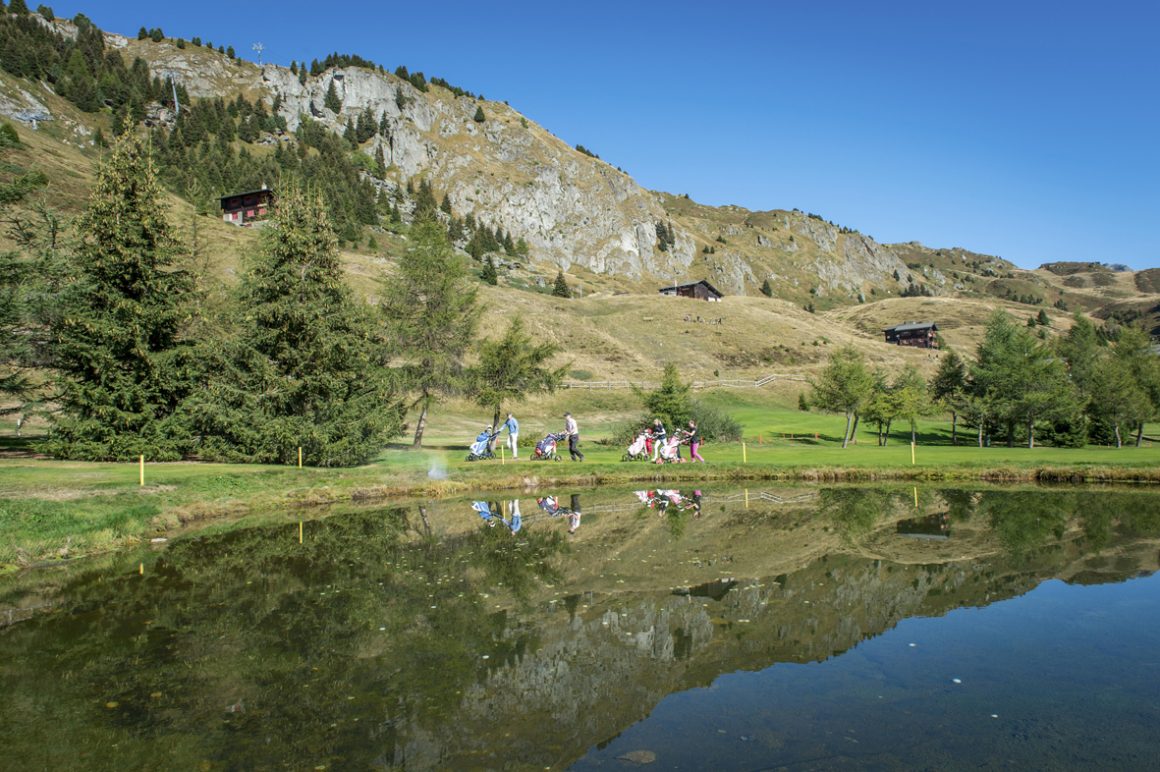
<point x="1062" y="677"/>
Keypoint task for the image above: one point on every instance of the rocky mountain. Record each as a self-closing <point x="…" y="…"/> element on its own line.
<point x="574" y="211"/>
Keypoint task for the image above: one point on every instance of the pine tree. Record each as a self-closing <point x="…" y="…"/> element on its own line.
<point x="671" y="401"/>
<point x="479" y="117"/>
<point x="948" y="386"/>
<point x="489" y="273"/>
<point x="305" y="368"/>
<point x="332" y="102"/>
<point x="380" y="162"/>
<point x="767" y="288"/>
<point x="18" y="7"/>
<point x="117" y="335"/>
<point x="560" y="287"/>
<point x="429" y="311"/>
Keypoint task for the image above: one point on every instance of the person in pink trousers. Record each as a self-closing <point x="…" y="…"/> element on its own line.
<point x="693" y="435"/>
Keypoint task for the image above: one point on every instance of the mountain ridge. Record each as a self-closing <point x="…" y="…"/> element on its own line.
<point x="576" y="212"/>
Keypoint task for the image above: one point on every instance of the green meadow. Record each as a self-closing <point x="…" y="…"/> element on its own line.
<point x="51" y="510"/>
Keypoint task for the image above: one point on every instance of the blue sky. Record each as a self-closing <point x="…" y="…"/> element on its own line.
<point x="1023" y="129"/>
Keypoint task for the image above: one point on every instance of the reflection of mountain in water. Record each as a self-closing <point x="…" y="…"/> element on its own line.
<point x="425" y="639"/>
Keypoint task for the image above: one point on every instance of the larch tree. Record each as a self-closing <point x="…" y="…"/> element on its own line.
<point x="511" y="368"/>
<point x="117" y="343"/>
<point x="429" y="312"/>
<point x="844" y="386"/>
<point x="911" y="397"/>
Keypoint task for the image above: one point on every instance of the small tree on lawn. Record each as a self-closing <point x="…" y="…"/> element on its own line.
<point x="843" y="387"/>
<point x="671" y="401"/>
<point x="947" y="388"/>
<point x="512" y="368"/>
<point x="881" y="407"/>
<point x="910" y="394"/>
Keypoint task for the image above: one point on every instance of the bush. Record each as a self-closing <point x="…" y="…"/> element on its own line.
<point x="8" y="135"/>
<point x="715" y="425"/>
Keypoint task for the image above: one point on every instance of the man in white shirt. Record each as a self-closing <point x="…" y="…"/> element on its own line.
<point x="573" y="432"/>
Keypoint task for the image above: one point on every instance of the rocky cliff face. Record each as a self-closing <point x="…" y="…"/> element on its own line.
<point x="573" y="210"/>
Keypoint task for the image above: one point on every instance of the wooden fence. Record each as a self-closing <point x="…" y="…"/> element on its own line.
<point x="719" y="383"/>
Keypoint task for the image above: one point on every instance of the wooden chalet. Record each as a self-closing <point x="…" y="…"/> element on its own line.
<point x="241" y="208"/>
<point x="701" y="290"/>
<point x="917" y="334"/>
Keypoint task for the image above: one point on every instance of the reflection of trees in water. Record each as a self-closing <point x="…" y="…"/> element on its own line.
<point x="1027" y="520"/>
<point x="960" y="504"/>
<point x="371" y="618"/>
<point x="855" y="511"/>
<point x="283" y="634"/>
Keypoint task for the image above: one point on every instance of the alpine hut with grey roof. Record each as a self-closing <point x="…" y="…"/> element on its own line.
<point x="917" y="334"/>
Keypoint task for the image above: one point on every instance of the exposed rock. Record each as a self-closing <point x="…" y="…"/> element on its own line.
<point x="24" y="107"/>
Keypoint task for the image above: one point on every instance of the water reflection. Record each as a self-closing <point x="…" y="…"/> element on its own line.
<point x="396" y="637"/>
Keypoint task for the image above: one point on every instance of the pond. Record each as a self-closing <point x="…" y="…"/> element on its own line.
<point x="731" y="629"/>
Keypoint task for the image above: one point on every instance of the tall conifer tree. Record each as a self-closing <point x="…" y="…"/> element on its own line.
<point x="305" y="368"/>
<point x="117" y="334"/>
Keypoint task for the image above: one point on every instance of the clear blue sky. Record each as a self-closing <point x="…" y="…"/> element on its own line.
<point x="1023" y="129"/>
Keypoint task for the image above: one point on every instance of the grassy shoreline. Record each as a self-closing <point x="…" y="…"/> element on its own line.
<point x="52" y="510"/>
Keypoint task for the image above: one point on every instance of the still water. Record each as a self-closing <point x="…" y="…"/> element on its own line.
<point x="804" y="628"/>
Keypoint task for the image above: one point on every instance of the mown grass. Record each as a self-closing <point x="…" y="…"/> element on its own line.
<point x="54" y="509"/>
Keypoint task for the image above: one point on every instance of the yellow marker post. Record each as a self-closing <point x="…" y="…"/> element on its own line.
<point x="502" y="459"/>
<point x="141" y="469"/>
<point x="141" y="569"/>
<point x="912" y="454"/>
<point x="747" y="498"/>
<point x="744" y="455"/>
<point x="299" y="531"/>
<point x="916" y="497"/>
<point x="299" y="456"/>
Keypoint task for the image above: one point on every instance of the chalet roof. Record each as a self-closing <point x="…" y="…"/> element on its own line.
<point x="912" y="327"/>
<point x="247" y="193"/>
<point x="675" y="287"/>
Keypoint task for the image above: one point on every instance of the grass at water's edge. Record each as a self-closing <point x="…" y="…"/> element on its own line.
<point x="50" y="510"/>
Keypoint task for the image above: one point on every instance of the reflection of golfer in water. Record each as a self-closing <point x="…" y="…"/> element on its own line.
<point x="484" y="510"/>
<point x="551" y="507"/>
<point x="517" y="521"/>
<point x="574" y="514"/>
<point x="491" y="513"/>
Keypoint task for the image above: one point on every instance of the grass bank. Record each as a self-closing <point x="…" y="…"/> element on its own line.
<point x="50" y="510"/>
